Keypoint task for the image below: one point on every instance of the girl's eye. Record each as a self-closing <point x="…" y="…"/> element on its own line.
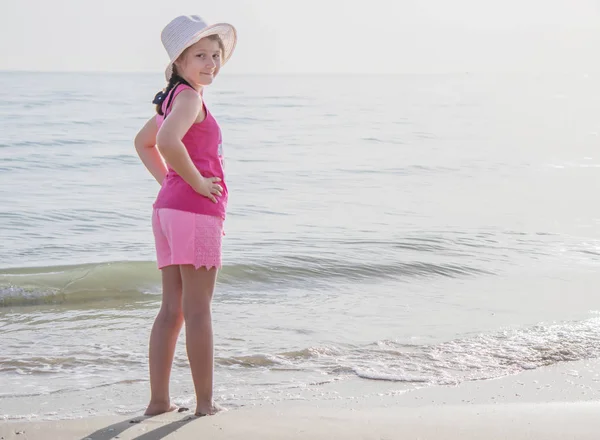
<point x="201" y="55"/>
<point x="216" y="56"/>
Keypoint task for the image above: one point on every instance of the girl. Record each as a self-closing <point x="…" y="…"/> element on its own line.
<point x="189" y="210"/>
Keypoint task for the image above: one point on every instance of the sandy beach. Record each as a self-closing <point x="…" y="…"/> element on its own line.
<point x="546" y="421"/>
<point x="558" y="402"/>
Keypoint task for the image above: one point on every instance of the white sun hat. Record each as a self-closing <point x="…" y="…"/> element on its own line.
<point x="185" y="30"/>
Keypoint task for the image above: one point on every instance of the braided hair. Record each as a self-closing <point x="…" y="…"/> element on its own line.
<point x="162" y="95"/>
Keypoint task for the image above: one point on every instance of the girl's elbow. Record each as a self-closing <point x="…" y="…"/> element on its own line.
<point x="141" y="142"/>
<point x="164" y="141"/>
<point x="138" y="144"/>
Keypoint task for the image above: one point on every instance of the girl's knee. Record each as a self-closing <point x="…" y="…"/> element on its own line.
<point x="171" y="314"/>
<point x="197" y="313"/>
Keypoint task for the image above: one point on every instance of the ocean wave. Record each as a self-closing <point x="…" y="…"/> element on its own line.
<point x="46" y="143"/>
<point x="485" y="356"/>
<point x="76" y="284"/>
<point x="480" y="357"/>
<point x="127" y="280"/>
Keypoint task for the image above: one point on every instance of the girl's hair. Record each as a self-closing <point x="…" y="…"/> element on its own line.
<point x="173" y="82"/>
<point x="176" y="79"/>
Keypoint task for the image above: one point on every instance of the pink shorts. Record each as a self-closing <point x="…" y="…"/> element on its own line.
<point x="183" y="237"/>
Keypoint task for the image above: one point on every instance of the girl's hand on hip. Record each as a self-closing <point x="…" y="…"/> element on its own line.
<point x="208" y="187"/>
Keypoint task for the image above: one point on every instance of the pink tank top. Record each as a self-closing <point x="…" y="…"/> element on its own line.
<point x="203" y="143"/>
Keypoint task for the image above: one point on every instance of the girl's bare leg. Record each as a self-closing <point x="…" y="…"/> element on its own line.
<point x="198" y="288"/>
<point x="163" y="339"/>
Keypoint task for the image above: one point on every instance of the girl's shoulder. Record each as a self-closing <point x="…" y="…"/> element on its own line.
<point x="188" y="94"/>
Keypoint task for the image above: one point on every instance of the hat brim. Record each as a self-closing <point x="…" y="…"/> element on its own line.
<point x="225" y="31"/>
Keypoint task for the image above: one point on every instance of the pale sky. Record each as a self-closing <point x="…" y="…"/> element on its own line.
<point x="310" y="36"/>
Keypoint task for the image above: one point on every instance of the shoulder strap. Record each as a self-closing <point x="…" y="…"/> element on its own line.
<point x="174" y="92"/>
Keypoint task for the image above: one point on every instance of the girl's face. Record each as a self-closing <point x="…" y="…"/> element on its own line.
<point x="200" y="63"/>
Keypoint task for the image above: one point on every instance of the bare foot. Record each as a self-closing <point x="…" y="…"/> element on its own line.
<point x="209" y="410"/>
<point x="155" y="409"/>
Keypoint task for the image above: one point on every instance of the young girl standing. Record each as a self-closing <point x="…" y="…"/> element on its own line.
<point x="190" y="208"/>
